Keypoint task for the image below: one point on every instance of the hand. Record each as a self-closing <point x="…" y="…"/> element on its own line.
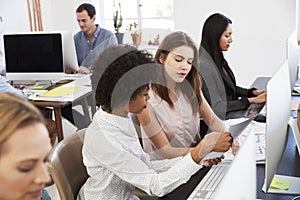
<point x="235" y="146"/>
<point x="211" y="162"/>
<point x="259" y="99"/>
<point x="84" y="70"/>
<point x="20" y="87"/>
<point x="258" y="92"/>
<point x="71" y="72"/>
<point x="223" y="143"/>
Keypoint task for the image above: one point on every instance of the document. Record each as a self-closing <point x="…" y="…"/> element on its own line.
<point x="259" y="130"/>
<point x="67" y="92"/>
<point x="235" y="127"/>
<point x="295" y="104"/>
<point x="61" y="91"/>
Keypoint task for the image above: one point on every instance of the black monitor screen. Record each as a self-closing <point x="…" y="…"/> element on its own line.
<point x="38" y="52"/>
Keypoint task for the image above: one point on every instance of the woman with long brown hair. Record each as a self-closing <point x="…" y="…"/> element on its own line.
<point x="171" y="122"/>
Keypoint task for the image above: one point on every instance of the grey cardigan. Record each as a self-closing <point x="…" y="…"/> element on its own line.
<point x="214" y="90"/>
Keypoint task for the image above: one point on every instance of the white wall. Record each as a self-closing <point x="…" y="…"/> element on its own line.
<point x="260" y="27"/>
<point x="56" y="15"/>
<point x="61" y="14"/>
<point x="260" y="30"/>
<point x="15" y="15"/>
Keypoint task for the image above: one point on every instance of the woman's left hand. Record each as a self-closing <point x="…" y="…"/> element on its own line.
<point x="258" y="92"/>
<point x="258" y="99"/>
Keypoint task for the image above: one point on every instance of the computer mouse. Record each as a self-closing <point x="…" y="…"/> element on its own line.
<point x="295" y="93"/>
<point x="260" y="118"/>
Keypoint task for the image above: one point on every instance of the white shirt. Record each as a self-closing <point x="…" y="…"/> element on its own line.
<point x="117" y="164"/>
<point x="6" y="87"/>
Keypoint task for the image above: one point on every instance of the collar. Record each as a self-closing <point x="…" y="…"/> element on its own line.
<point x="96" y="33"/>
<point x="122" y="123"/>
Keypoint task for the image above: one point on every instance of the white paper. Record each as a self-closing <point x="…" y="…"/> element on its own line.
<point x="79" y="93"/>
<point x="235" y="127"/>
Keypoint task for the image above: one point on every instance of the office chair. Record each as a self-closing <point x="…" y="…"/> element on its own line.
<point x="51" y="127"/>
<point x="66" y="166"/>
<point x="67" y="169"/>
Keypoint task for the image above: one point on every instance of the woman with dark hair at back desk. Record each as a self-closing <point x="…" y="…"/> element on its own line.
<point x="219" y="83"/>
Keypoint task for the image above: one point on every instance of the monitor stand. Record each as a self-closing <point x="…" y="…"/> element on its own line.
<point x="294" y="189"/>
<point x="295" y="181"/>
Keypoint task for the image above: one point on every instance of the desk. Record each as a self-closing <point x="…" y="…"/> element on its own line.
<point x="289" y="165"/>
<point x="184" y="191"/>
<point x="57" y="105"/>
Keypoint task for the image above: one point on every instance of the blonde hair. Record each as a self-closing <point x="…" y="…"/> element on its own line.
<point x="16" y="113"/>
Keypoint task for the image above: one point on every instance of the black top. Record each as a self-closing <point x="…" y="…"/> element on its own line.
<point x="222" y="94"/>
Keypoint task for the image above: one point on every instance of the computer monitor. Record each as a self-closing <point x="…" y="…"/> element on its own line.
<point x="278" y="116"/>
<point x="39" y="55"/>
<point x="239" y="181"/>
<point x="69" y="52"/>
<point x="292" y="54"/>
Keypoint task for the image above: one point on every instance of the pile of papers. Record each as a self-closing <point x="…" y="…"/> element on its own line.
<point x="67" y="92"/>
<point x="259" y="129"/>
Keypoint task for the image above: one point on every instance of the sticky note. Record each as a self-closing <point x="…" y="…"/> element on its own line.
<point x="38" y="87"/>
<point x="280" y="184"/>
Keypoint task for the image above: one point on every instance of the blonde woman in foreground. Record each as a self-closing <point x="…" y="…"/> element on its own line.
<point x="24" y="149"/>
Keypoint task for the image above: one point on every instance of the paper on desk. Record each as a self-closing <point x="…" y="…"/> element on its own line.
<point x="84" y="80"/>
<point x="235" y="127"/>
<point x="60" y="91"/>
<point x="295" y="104"/>
<point x="33" y="93"/>
<point x="83" y="90"/>
<point x="259" y="129"/>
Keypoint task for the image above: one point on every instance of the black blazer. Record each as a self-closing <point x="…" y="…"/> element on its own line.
<point x="221" y="97"/>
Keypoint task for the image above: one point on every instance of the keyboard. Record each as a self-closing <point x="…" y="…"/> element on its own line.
<point x="252" y="110"/>
<point x="263" y="110"/>
<point x="207" y="187"/>
<point x="22" y="82"/>
<point x="257" y="107"/>
<point x="73" y="76"/>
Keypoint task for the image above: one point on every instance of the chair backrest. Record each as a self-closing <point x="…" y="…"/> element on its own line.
<point x="66" y="166"/>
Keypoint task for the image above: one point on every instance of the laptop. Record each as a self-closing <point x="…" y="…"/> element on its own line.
<point x="234" y="179"/>
<point x="260" y="83"/>
<point x="252" y="110"/>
